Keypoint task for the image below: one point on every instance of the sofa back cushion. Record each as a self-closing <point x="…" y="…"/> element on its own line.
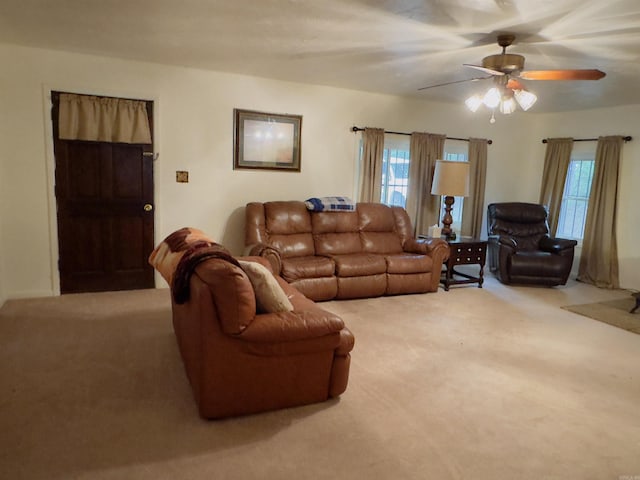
<point x="377" y="227"/>
<point x="335" y="233"/>
<point x="288" y="228"/>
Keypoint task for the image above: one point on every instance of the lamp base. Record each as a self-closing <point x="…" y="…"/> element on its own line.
<point x="447" y="220"/>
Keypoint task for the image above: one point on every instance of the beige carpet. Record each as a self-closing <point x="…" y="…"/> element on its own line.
<point x="613" y="312"/>
<point x="493" y="383"/>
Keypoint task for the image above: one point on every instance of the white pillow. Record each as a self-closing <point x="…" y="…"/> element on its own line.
<point x="270" y="297"/>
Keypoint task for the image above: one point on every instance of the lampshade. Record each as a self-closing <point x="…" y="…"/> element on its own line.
<point x="508" y="105"/>
<point x="473" y="102"/>
<point x="525" y="99"/>
<point x="451" y="179"/>
<point x="492" y="98"/>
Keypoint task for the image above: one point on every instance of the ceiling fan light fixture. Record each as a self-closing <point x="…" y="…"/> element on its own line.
<point x="525" y="99"/>
<point x="473" y="102"/>
<point x="492" y="98"/>
<point x="508" y="106"/>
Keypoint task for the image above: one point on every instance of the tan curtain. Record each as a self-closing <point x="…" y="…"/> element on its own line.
<point x="599" y="259"/>
<point x="473" y="206"/>
<point x="371" y="165"/>
<point x="102" y="119"/>
<point x="422" y="207"/>
<point x="554" y="175"/>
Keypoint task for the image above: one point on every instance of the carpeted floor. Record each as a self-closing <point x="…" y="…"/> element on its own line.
<point x="614" y="312"/>
<point x="481" y="384"/>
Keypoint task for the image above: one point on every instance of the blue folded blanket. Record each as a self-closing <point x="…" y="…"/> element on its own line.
<point x="330" y="204"/>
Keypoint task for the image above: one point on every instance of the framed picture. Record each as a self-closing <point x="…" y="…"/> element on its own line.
<point x="266" y="140"/>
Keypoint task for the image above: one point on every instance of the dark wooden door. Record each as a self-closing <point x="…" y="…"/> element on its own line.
<point x="104" y="194"/>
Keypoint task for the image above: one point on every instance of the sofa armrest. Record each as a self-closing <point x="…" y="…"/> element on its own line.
<point x="292" y="326"/>
<point x="556" y="245"/>
<point x="266" y="251"/>
<point x="427" y="246"/>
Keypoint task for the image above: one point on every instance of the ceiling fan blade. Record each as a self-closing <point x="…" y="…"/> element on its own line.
<point x="514" y="84"/>
<point x="455" y="81"/>
<point x="591" y="74"/>
<point x="483" y="69"/>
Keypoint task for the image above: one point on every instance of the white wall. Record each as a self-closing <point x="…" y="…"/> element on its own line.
<point x="194" y="121"/>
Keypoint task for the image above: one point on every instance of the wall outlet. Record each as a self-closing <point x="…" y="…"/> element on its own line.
<point x="182" y="176"/>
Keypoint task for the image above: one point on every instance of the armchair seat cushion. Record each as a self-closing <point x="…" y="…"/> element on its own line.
<point x="359" y="264"/>
<point x="298" y="268"/>
<point x="408" y="263"/>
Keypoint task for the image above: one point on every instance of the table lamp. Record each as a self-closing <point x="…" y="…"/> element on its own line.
<point x="450" y="179"/>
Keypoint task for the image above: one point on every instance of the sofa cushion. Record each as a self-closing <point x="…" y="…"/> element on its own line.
<point x="408" y="263"/>
<point x="287" y="218"/>
<point x="307" y="267"/>
<point x="380" y="242"/>
<point x="337" y="243"/>
<point x="378" y="229"/>
<point x="359" y="265"/>
<point x="294" y="245"/>
<point x="270" y="298"/>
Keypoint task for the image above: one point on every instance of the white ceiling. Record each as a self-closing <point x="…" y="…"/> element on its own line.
<point x="387" y="46"/>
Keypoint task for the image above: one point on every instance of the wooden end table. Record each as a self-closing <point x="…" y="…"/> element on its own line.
<point x="464" y="251"/>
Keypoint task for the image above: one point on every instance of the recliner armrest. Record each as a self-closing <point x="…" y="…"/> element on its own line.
<point x="426" y="246"/>
<point x="503" y="241"/>
<point x="556" y="245"/>
<point x="266" y="251"/>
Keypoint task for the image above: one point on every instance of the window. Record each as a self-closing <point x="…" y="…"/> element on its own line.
<point x="395" y="171"/>
<point x="575" y="198"/>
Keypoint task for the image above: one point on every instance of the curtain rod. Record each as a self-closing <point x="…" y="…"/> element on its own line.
<point x="626" y="139"/>
<point x="359" y="129"/>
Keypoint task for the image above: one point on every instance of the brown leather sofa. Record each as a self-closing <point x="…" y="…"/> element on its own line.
<point x="363" y="253"/>
<point x="520" y="248"/>
<point x="241" y="362"/>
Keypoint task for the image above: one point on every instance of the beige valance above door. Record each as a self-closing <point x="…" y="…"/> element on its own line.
<point x="103" y="119"/>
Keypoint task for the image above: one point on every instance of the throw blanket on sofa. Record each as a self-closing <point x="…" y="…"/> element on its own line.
<point x="330" y="204"/>
<point x="192" y="257"/>
<point x="167" y="254"/>
<point x="177" y="256"/>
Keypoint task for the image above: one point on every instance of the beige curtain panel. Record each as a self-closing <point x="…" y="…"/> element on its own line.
<point x="422" y="207"/>
<point x="599" y="258"/>
<point x="554" y="175"/>
<point x="473" y="206"/>
<point x="101" y="119"/>
<point x="371" y="165"/>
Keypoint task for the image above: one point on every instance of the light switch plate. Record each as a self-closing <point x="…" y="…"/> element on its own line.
<point x="182" y="176"/>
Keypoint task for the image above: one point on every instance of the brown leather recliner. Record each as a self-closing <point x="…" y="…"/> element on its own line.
<point x="241" y="362"/>
<point x="520" y="248"/>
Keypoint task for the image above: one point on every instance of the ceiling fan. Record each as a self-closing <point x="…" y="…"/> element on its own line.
<point x="507" y="69"/>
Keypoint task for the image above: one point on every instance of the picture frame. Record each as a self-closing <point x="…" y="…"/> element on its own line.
<point x="269" y="141"/>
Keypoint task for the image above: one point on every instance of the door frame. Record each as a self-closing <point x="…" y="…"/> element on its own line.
<point x="52" y="206"/>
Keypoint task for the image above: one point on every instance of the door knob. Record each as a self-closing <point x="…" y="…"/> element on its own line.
<point x="148" y="207"/>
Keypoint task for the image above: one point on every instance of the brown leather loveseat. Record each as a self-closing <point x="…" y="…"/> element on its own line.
<point x="363" y="253"/>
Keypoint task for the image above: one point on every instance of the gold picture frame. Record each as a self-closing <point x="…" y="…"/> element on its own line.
<point x="269" y="141"/>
